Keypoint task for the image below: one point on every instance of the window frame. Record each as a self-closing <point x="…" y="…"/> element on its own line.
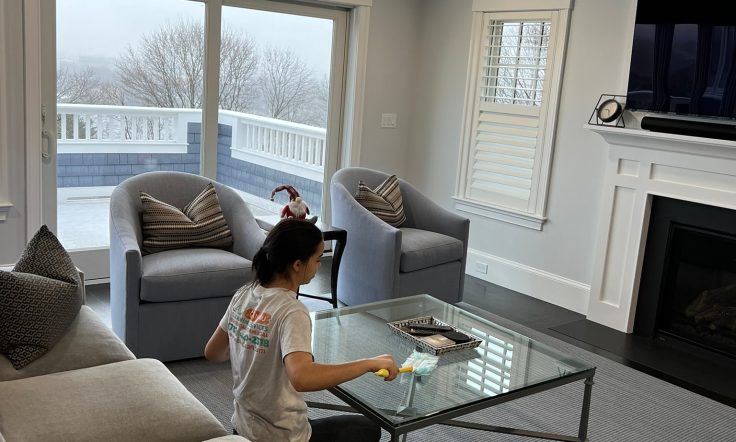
<point x="5" y="204"/>
<point x="557" y="12"/>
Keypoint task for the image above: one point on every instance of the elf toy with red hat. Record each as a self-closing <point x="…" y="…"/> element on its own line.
<point x="296" y="207"/>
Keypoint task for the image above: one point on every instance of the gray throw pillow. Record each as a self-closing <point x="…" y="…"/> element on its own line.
<point x="39" y="299"/>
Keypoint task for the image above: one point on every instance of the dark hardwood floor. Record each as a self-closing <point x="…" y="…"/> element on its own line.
<point x="655" y="357"/>
<point x="692" y="369"/>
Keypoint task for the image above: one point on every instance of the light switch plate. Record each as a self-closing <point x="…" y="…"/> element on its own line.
<point x="388" y="120"/>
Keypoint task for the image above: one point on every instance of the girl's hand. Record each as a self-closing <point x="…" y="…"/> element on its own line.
<point x="385" y="362"/>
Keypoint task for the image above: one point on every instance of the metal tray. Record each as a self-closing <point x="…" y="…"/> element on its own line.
<point x="396" y="328"/>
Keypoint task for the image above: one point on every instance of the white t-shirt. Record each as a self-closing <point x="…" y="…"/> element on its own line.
<point x="264" y="325"/>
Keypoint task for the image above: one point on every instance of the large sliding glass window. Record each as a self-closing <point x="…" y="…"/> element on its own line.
<point x="132" y="82"/>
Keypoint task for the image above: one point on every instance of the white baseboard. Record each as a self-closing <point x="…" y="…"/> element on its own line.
<point x="555" y="289"/>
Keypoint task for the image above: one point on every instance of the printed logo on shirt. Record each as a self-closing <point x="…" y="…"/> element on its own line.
<point x="257" y="317"/>
<point x="250" y="329"/>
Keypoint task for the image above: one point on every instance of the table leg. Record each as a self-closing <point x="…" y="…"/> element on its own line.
<point x="398" y="437"/>
<point x="336" y="257"/>
<point x="584" y="416"/>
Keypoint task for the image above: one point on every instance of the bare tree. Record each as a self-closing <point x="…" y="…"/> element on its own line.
<point x="76" y="86"/>
<point x="238" y="66"/>
<point x="287" y="85"/>
<point x="318" y="116"/>
<point x="166" y="68"/>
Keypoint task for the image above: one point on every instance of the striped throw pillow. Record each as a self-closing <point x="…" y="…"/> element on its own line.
<point x="384" y="201"/>
<point x="200" y="224"/>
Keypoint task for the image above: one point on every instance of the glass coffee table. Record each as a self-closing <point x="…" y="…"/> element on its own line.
<point x="505" y="366"/>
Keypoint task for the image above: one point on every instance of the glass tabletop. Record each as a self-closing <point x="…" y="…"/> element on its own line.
<point x="504" y="362"/>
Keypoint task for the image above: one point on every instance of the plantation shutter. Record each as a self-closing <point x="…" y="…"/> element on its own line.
<point x="508" y="141"/>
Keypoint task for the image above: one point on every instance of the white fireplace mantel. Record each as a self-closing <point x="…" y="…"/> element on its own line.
<point x="642" y="164"/>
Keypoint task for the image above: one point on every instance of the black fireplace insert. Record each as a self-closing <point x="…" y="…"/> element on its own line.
<point x="687" y="291"/>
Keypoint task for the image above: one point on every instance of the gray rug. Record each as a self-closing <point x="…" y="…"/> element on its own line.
<point x="627" y="405"/>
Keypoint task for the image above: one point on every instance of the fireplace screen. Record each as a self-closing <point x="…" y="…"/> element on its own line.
<point x="698" y="297"/>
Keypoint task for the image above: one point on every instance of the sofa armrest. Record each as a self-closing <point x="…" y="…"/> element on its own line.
<point x="229" y="438"/>
<point x="370" y="241"/>
<point x="88" y="342"/>
<point x="136" y="400"/>
<point x="126" y="267"/>
<point x="247" y="235"/>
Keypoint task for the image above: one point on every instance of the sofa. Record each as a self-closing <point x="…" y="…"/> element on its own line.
<point x="90" y="387"/>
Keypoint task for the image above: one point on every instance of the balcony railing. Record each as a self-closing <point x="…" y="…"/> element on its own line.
<point x="290" y="147"/>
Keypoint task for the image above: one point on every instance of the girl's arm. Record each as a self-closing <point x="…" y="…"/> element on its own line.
<point x="217" y="348"/>
<point x="307" y="375"/>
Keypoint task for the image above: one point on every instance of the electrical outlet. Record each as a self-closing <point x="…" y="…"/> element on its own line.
<point x="481" y="267"/>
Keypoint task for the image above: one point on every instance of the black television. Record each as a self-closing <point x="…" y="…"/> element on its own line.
<point x="683" y="59"/>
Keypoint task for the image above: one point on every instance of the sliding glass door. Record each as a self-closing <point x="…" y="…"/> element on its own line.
<point x="130" y="94"/>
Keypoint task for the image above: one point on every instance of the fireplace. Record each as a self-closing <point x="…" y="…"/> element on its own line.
<point x="688" y="279"/>
<point x="665" y="256"/>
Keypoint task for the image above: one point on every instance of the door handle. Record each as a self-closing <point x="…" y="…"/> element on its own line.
<point x="45" y="140"/>
<point x="45" y="144"/>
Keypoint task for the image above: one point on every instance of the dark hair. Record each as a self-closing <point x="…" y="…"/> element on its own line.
<point x="290" y="240"/>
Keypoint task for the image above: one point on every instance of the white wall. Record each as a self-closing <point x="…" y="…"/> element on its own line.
<point x="390" y="77"/>
<point x="417" y="65"/>
<point x="13" y="230"/>
<point x="556" y="263"/>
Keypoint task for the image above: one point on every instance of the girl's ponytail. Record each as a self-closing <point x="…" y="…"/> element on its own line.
<point x="263" y="271"/>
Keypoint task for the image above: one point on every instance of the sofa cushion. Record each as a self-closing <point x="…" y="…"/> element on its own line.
<point x="384" y="201"/>
<point x="136" y="400"/>
<point x="422" y="248"/>
<point x="200" y="224"/>
<point x="183" y="274"/>
<point x="39" y="299"/>
<point x="87" y="343"/>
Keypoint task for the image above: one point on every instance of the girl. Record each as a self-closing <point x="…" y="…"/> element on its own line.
<point x="266" y="334"/>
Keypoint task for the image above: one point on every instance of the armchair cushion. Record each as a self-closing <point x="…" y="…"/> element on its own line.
<point x="421" y="249"/>
<point x="384" y="201"/>
<point x="200" y="224"/>
<point x="39" y="299"/>
<point x="196" y="273"/>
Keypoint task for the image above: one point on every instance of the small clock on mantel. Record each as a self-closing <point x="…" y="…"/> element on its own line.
<point x="609" y="111"/>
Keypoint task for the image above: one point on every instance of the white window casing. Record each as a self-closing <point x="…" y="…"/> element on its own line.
<point x="511" y="101"/>
<point x="5" y="60"/>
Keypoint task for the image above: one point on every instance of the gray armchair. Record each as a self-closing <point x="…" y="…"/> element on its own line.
<point x="167" y="304"/>
<point x="426" y="254"/>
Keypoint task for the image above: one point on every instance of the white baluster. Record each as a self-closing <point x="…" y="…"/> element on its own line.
<point x="75" y="127"/>
<point x="63" y="127"/>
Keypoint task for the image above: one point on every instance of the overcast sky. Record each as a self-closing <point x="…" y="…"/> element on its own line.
<point x="105" y="28"/>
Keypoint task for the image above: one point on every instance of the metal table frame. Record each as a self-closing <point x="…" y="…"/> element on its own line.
<point x="446" y="417"/>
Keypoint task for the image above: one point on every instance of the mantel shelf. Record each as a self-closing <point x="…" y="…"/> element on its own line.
<point x="619" y="136"/>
